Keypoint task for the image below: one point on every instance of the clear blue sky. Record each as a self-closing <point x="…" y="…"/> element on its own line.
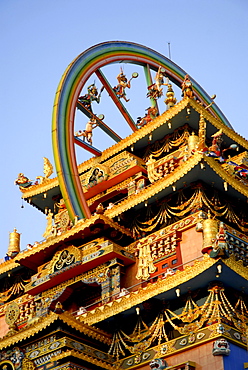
<point x="40" y="38"/>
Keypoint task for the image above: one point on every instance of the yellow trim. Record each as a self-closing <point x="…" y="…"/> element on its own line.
<point x="152" y="289"/>
<point x="41" y="323"/>
<point x="80" y="226"/>
<point x="161" y="286"/>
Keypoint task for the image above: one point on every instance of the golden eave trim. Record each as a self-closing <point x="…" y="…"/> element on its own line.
<point x="80" y="226"/>
<point x="42" y="323"/>
<point x="219" y="124"/>
<point x="161" y="286"/>
<point x="81" y="356"/>
<point x="8" y="265"/>
<point x="137" y="135"/>
<point x="156" y="187"/>
<point x="151" y="290"/>
<point x="29" y="331"/>
<point x="217" y="168"/>
<point x="236" y="266"/>
<point x="114" y="149"/>
<point x="84" y="328"/>
<point x="173" y="177"/>
<point x="40" y="188"/>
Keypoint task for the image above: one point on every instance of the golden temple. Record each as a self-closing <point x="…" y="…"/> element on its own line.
<point x="156" y="276"/>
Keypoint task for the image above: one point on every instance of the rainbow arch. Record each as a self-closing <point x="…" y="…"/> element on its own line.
<point x="72" y="82"/>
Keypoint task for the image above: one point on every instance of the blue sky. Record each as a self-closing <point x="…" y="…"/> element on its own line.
<point x="38" y="39"/>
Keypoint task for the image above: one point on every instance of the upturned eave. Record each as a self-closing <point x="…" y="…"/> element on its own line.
<point x="196" y="275"/>
<point x="40" y="324"/>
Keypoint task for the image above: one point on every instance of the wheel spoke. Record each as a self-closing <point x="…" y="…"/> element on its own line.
<point x="100" y="122"/>
<point x="87" y="146"/>
<point x="117" y="101"/>
<point x="149" y="83"/>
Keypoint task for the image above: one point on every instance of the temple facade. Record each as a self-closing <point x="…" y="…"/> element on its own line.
<point x="155" y="275"/>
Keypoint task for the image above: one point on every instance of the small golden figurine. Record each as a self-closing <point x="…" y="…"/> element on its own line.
<point x="47" y="169"/>
<point x="170" y="101"/>
<point x="49" y="227"/>
<point x="159" y="78"/>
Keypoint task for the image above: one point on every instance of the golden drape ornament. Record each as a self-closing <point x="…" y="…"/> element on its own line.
<point x="199" y="200"/>
<point x="16" y="289"/>
<point x="167" y="143"/>
<point x="216" y="309"/>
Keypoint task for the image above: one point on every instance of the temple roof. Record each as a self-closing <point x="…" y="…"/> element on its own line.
<point x="40" y="324"/>
<point x="187" y="173"/>
<point x="176" y="116"/>
<point x="195" y="276"/>
<point x="36" y="256"/>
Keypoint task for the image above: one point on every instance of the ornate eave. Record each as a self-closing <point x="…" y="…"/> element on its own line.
<point x="47" y="185"/>
<point x="187" y="110"/>
<point x="143" y="294"/>
<point x="80" y="227"/>
<point x="137" y="136"/>
<point x="180" y="173"/>
<point x="113" y="150"/>
<point x="183" y="343"/>
<point x="193" y="274"/>
<point x="40" y="324"/>
<point x="232" y="181"/>
<point x="229" y="132"/>
<point x="160" y="121"/>
<point x="9" y="265"/>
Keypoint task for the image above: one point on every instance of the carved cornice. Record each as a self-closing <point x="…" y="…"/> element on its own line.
<point x="180" y="225"/>
<point x="179" y="344"/>
<point x="40" y="324"/>
<point x="115" y="149"/>
<point x="28" y="331"/>
<point x="145" y="130"/>
<point x="163" y="285"/>
<point x="82" y="356"/>
<point x="143" y="294"/>
<point x="90" y="331"/>
<point x="118" y="187"/>
<point x="100" y="272"/>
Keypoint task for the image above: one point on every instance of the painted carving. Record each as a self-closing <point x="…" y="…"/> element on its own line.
<point x="158" y="363"/>
<point x="221" y="347"/>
